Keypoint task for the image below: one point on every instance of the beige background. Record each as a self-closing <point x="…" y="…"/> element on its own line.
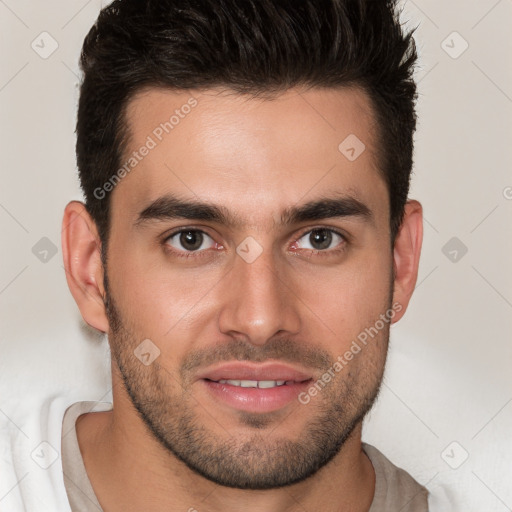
<point x="449" y="377"/>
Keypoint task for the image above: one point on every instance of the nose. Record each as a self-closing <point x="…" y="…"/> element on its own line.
<point x="259" y="302"/>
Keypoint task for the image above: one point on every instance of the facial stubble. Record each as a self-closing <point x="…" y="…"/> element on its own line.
<point x="260" y="456"/>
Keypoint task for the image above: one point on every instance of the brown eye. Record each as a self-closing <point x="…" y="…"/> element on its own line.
<point x="190" y="240"/>
<point x="320" y="239"/>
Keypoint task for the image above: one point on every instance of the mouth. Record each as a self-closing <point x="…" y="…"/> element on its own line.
<point x="251" y="387"/>
<point x="262" y="384"/>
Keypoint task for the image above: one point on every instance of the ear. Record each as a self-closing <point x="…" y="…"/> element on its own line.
<point x="81" y="249"/>
<point x="406" y="256"/>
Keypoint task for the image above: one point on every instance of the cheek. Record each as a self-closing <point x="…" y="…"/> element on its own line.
<point x="160" y="300"/>
<point x="351" y="298"/>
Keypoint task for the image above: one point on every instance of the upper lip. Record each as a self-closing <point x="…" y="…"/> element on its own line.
<point x="238" y="370"/>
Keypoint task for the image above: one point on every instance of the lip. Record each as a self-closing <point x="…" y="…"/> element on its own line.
<point x="255" y="400"/>
<point x="237" y="370"/>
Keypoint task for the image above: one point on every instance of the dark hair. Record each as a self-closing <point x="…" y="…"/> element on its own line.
<point x="250" y="47"/>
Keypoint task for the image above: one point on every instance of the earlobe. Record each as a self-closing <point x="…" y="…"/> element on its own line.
<point x="406" y="255"/>
<point x="81" y="249"/>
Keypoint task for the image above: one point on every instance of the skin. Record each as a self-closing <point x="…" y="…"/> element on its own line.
<point x="255" y="157"/>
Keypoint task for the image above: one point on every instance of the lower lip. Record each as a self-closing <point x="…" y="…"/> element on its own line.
<point x="256" y="399"/>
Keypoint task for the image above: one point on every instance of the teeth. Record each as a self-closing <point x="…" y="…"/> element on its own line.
<point x="267" y="384"/>
<point x="262" y="384"/>
<point x="249" y="383"/>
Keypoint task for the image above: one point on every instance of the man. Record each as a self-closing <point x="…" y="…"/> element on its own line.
<point x="246" y="242"/>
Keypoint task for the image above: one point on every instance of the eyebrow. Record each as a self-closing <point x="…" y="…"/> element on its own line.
<point x="170" y="207"/>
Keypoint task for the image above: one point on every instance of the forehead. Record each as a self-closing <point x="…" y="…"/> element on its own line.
<point x="255" y="154"/>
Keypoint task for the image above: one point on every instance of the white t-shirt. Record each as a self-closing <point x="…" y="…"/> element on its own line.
<point x="32" y="477"/>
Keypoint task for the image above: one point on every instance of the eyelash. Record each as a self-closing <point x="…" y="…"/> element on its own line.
<point x="315" y="252"/>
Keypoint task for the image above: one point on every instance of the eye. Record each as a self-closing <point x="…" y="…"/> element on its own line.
<point x="320" y="240"/>
<point x="190" y="240"/>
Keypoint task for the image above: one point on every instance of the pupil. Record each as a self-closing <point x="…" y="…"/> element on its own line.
<point x="191" y="240"/>
<point x="320" y="238"/>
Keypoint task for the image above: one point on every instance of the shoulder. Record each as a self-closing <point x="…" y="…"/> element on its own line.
<point x="395" y="488"/>
<point x="30" y="453"/>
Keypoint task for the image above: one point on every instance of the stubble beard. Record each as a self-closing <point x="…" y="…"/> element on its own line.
<point x="258" y="457"/>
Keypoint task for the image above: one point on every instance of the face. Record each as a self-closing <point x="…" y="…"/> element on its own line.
<point x="247" y="254"/>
